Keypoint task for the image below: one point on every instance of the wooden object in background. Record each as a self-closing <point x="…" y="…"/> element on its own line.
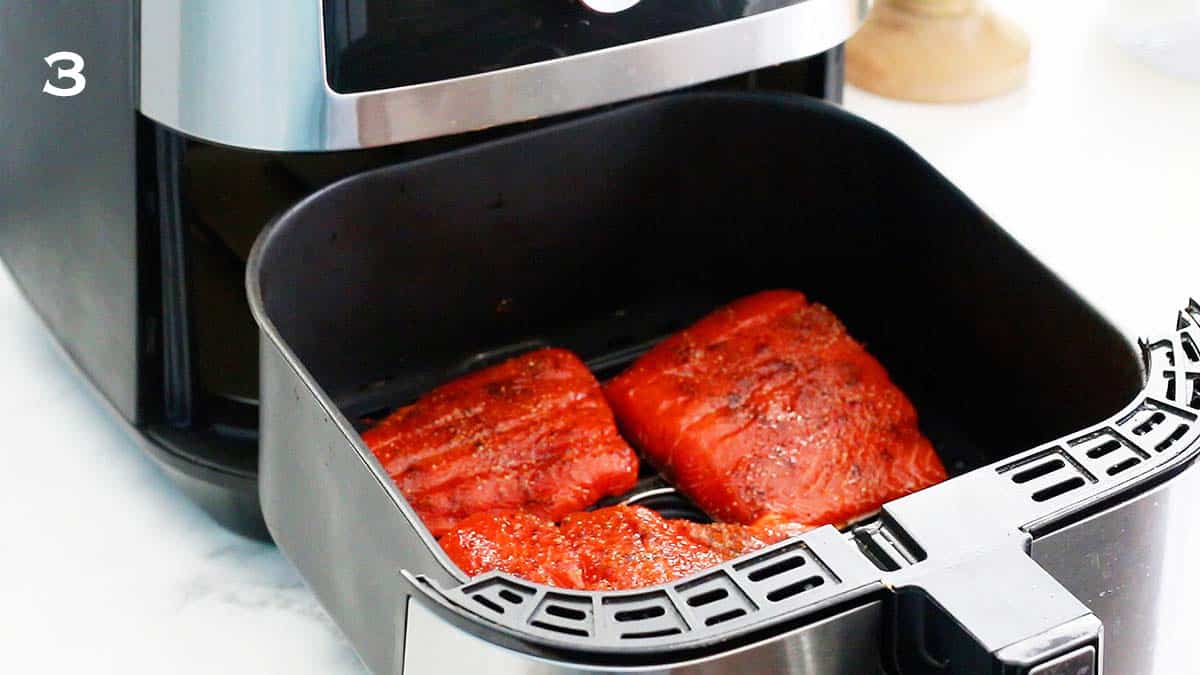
<point x="937" y="51"/>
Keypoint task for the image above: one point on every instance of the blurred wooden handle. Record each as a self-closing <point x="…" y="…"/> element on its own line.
<point x="937" y="51"/>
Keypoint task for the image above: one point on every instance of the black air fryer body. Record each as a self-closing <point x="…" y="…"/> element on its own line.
<point x="129" y="208"/>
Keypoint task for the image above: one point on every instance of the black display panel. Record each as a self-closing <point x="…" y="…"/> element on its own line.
<point x="378" y="44"/>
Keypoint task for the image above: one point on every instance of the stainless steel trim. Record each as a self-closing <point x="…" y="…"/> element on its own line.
<point x="252" y="75"/>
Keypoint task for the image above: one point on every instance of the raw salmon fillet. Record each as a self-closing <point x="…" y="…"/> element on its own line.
<point x="533" y="433"/>
<point x="766" y="411"/>
<point x="516" y="542"/>
<point x="614" y="548"/>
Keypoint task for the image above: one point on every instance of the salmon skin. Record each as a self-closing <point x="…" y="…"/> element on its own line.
<point x="614" y="548"/>
<point x="766" y="411"/>
<point x="532" y="433"/>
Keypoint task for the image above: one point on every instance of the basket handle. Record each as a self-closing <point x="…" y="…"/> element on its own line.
<point x="1000" y="614"/>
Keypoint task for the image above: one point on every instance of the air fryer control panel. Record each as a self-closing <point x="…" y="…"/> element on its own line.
<point x="322" y="75"/>
<point x="380" y="44"/>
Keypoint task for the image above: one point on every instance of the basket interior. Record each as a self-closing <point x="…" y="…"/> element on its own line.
<point x="607" y="233"/>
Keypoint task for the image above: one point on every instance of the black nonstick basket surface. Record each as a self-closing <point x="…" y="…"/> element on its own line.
<point x="602" y="235"/>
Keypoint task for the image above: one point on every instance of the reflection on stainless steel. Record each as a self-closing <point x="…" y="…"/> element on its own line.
<point x="1127" y="566"/>
<point x="844" y="644"/>
<point x="252" y="75"/>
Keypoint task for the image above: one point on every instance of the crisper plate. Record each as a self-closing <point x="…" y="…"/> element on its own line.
<point x="605" y="233"/>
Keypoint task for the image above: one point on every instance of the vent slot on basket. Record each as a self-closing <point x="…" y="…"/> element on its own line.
<point x="707" y="597"/>
<point x="1104" y="449"/>
<point x="1194" y="385"/>
<point x="795" y="588"/>
<point x="1180" y="431"/>
<point x="498" y="594"/>
<point x="783" y="573"/>
<point x="1122" y="466"/>
<point x="715" y="599"/>
<point x="1043" y="469"/>
<point x="566" y="612"/>
<point x="725" y="616"/>
<point x="1053" y="473"/>
<point x="1058" y="489"/>
<point x="1148" y="425"/>
<point x="563" y="613"/>
<point x="511" y="597"/>
<point x="777" y="568"/>
<point x="1157" y="427"/>
<point x="768" y="555"/>
<point x="483" y="600"/>
<point x="643" y="616"/>
<point x="1106" y="452"/>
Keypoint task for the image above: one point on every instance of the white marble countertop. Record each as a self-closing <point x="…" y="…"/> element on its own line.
<point x="106" y="568"/>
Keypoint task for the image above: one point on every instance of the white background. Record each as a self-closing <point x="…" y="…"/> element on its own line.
<point x="105" y="568"/>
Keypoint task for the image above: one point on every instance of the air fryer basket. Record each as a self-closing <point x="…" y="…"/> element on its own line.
<point x="608" y="232"/>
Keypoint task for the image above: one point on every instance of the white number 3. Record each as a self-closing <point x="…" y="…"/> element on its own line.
<point x="74" y="74"/>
